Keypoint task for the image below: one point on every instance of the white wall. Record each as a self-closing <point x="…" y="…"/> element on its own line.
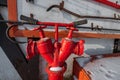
<point x="83" y="7"/>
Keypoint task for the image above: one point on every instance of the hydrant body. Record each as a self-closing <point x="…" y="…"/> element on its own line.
<point x="56" y="74"/>
<point x="55" y="53"/>
<point x="67" y="46"/>
<point x="46" y="49"/>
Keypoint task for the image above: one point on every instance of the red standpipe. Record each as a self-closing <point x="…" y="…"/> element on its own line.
<point x="56" y="75"/>
<point x="69" y="46"/>
<point x="55" y="53"/>
<point x="56" y="48"/>
<point x="109" y="3"/>
<point x="45" y="49"/>
<point x="45" y="46"/>
<point x="66" y="49"/>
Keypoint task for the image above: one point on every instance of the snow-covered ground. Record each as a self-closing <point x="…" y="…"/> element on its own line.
<point x="102" y="69"/>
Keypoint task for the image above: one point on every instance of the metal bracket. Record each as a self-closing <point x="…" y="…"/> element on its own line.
<point x="61" y="8"/>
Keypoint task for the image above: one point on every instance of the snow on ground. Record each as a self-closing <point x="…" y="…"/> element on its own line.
<point x="104" y="69"/>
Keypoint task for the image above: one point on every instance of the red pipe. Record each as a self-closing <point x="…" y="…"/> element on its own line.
<point x="109" y="3"/>
<point x="54" y="24"/>
<point x="41" y="32"/>
<point x="45" y="48"/>
<point x="42" y="35"/>
<point x="56" y="75"/>
<point x="71" y="32"/>
<point x="56" y="33"/>
<point x="66" y="49"/>
<point x="61" y="50"/>
<point x="56" y="46"/>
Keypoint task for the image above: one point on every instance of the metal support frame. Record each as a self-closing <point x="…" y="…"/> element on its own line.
<point x="23" y="68"/>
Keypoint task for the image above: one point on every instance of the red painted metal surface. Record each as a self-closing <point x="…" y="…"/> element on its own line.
<point x="71" y="29"/>
<point x="55" y="53"/>
<point x="45" y="49"/>
<point x="79" y="48"/>
<point x="66" y="49"/>
<point x="69" y="46"/>
<point x="109" y="3"/>
<point x="55" y="23"/>
<point x="56" y="75"/>
<point x="41" y="32"/>
<point x="56" y="48"/>
<point x="31" y="49"/>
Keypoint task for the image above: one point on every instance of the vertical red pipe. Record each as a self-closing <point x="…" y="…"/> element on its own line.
<point x="56" y="75"/>
<point x="56" y="53"/>
<point x="56" y="33"/>
<point x="70" y="34"/>
<point x="41" y="32"/>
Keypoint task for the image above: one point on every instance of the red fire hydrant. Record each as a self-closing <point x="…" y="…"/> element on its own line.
<point x="55" y="53"/>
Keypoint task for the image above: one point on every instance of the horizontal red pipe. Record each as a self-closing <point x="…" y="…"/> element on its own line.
<point x="109" y="3"/>
<point x="58" y="24"/>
